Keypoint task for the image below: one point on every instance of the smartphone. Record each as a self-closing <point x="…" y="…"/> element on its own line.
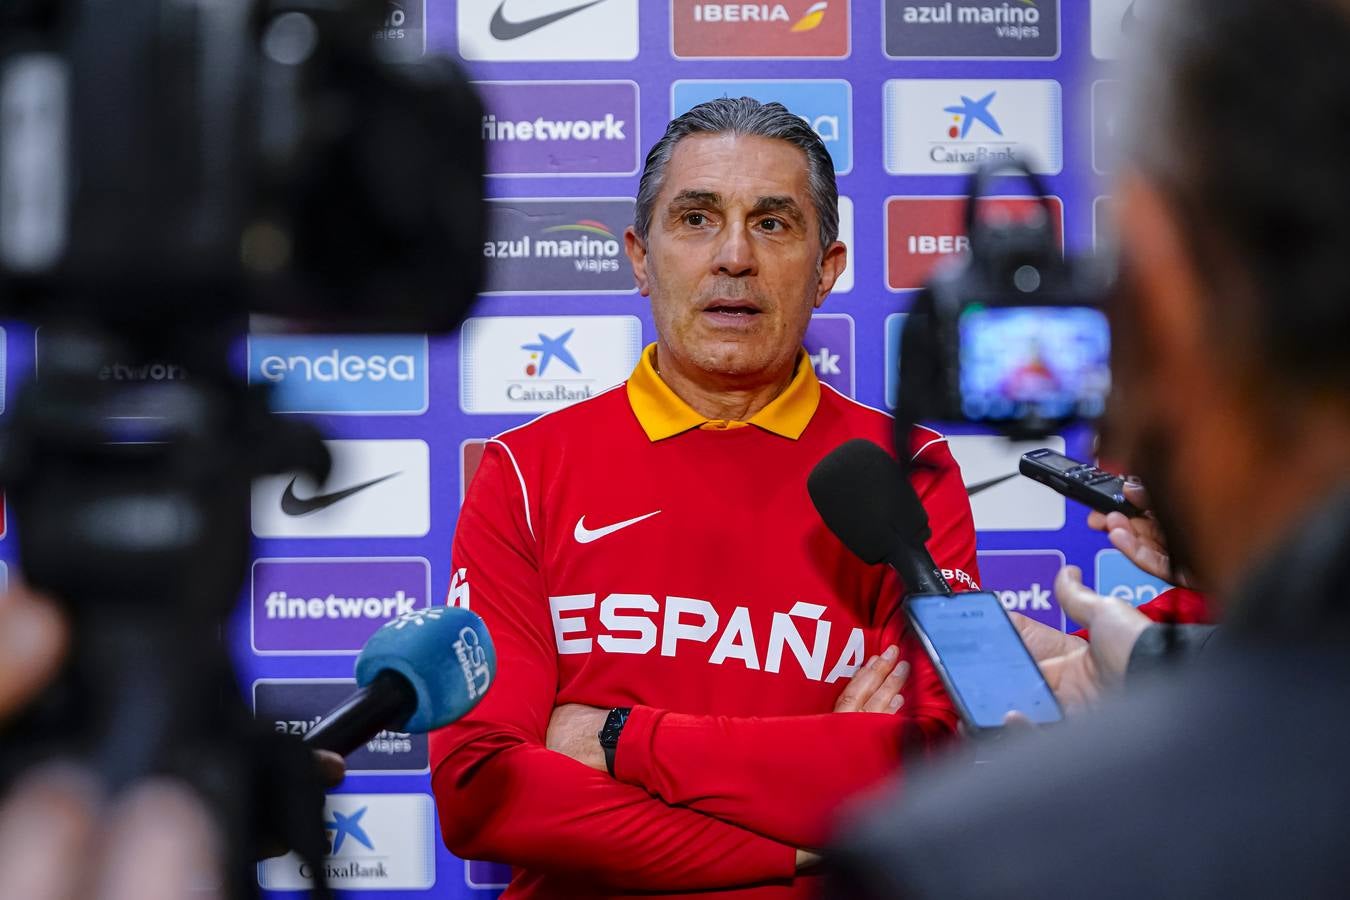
<point x="986" y="668"/>
<point x="1089" y="485"/>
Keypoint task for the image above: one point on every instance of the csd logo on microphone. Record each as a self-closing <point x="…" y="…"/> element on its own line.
<point x="473" y="662"/>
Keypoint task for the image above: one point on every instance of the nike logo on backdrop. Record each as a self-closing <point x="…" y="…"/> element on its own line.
<point x="292" y="505"/>
<point x="503" y="29"/>
<point x="973" y="489"/>
<point x="585" y="535"/>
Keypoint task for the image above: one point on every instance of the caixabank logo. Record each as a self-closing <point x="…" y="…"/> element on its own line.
<point x="332" y="606"/>
<point x="572" y="245"/>
<point x="377" y="488"/>
<point x="950" y="126"/>
<point x="962" y="29"/>
<point x="536" y="364"/>
<point x="376" y="842"/>
<point x="1024" y="582"/>
<point x="825" y="105"/>
<point x="788" y="29"/>
<point x="343" y="374"/>
<point x="294" y="706"/>
<point x="547" y="30"/>
<point x="553" y="128"/>
<point x="922" y="231"/>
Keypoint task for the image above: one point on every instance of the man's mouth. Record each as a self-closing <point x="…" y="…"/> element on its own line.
<point x="732" y="308"/>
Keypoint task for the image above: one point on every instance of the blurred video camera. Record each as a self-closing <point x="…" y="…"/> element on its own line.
<point x="1011" y="335"/>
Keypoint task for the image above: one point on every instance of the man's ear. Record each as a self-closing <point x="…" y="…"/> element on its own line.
<point x="832" y="264"/>
<point x="637" y="255"/>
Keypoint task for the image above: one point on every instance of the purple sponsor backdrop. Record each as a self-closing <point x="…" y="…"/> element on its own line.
<point x="331" y="605"/>
<point x="829" y="340"/>
<point x="1024" y="582"/>
<point x="561" y="127"/>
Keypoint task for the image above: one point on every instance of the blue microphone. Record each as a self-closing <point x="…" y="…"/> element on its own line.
<point x="417" y="673"/>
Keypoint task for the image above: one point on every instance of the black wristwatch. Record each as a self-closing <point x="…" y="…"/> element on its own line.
<point x="609" y="734"/>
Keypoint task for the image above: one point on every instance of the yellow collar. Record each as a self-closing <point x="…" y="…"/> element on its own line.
<point x="662" y="413"/>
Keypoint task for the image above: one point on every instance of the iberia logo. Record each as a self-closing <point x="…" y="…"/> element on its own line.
<point x="785" y="30"/>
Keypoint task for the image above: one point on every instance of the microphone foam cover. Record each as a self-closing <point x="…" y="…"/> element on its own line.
<point x="445" y="652"/>
<point x="862" y="497"/>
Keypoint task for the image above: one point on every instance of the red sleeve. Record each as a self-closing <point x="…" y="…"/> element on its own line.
<point x="502" y="795"/>
<point x="786" y="777"/>
<point x="1176" y="606"/>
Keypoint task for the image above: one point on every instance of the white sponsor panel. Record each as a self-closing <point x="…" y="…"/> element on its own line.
<point x="536" y="364"/>
<point x="845" y="282"/>
<point x="1113" y="23"/>
<point x="376" y="489"/>
<point x="376" y="842"/>
<point x="950" y="126"/>
<point x="1016" y="503"/>
<point x="515" y="30"/>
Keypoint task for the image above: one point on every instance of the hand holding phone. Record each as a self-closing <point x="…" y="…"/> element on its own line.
<point x="987" y="670"/>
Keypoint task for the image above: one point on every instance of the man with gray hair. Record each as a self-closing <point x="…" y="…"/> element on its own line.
<point x="678" y="632"/>
<point x="1228" y="778"/>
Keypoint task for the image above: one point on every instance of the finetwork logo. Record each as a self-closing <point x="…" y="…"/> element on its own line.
<point x="377" y="488"/>
<point x="788" y="29"/>
<point x="558" y="246"/>
<point x="548" y="30"/>
<point x="922" y="231"/>
<point x="368" y="374"/>
<point x="941" y="126"/>
<point x="535" y="364"/>
<point x="375" y="841"/>
<point x="829" y="343"/>
<point x="294" y="706"/>
<point x="963" y="29"/>
<point x="1000" y="498"/>
<point x="825" y="105"/>
<point x="1117" y="577"/>
<point x="332" y="606"/>
<point x="1024" y="582"/>
<point x="560" y="127"/>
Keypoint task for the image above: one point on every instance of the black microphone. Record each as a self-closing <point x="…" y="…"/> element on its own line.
<point x="417" y="673"/>
<point x="871" y="507"/>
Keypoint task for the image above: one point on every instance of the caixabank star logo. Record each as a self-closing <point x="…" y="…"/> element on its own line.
<point x="790" y="29"/>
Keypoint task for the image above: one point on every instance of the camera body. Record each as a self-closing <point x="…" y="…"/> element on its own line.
<point x="1011" y="335"/>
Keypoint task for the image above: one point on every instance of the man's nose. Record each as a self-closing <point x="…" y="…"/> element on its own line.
<point x="735" y="254"/>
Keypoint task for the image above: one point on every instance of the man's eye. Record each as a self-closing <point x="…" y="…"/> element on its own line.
<point x="695" y="218"/>
<point x="771" y="225"/>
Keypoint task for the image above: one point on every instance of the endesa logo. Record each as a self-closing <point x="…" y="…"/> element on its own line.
<point x="829" y="343"/>
<point x="962" y="29"/>
<point x="294" y="706"/>
<point x="920" y="231"/>
<point x="375" y="489"/>
<point x="1024" y="581"/>
<point x="332" y="606"/>
<point x="1001" y="498"/>
<point x="368" y="374"/>
<point x="564" y="246"/>
<point x="788" y="29"/>
<point x="825" y="105"/>
<point x="948" y="127"/>
<point x="536" y="364"/>
<point x="376" y="842"/>
<point x="560" y="127"/>
<point x="1118" y="577"/>
<point x="547" y="30"/>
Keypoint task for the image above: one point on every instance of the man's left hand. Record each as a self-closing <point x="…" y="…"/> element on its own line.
<point x="574" y="730"/>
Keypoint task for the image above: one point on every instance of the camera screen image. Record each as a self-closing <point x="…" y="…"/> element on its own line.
<point x="1051" y="361"/>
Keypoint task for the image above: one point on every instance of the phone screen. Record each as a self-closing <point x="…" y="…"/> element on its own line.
<point x="991" y="672"/>
<point x="1051" y="360"/>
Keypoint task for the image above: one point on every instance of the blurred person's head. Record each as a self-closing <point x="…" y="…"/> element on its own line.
<point x="735" y="241"/>
<point x="1233" y="318"/>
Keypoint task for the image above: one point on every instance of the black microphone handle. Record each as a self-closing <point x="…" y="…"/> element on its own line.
<point x="916" y="568"/>
<point x="387" y="702"/>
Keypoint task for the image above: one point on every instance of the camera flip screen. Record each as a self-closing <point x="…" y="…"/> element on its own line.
<point x="1051" y="361"/>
